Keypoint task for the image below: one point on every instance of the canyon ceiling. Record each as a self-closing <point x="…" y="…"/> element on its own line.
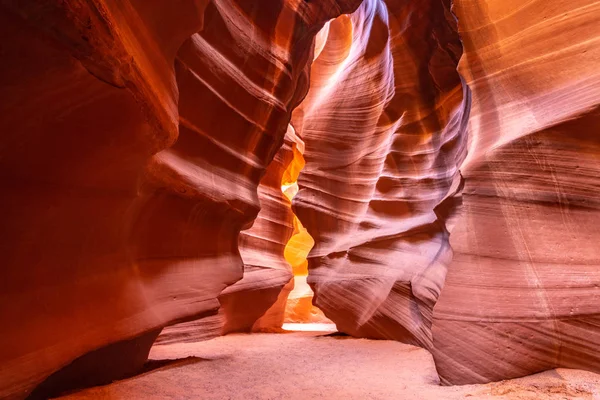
<point x="446" y="153"/>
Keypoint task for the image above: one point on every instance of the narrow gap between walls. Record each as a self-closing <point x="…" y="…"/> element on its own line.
<point x="300" y="313"/>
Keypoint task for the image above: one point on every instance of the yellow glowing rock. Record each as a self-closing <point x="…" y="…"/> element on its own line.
<point x="297" y="249"/>
<point x="290" y="175"/>
<point x="290" y="190"/>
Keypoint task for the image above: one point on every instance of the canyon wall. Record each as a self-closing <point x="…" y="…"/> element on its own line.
<point x="522" y="293"/>
<point x="384" y="124"/>
<point x="128" y="174"/>
<point x="140" y="138"/>
<point x="262" y="247"/>
<point x="266" y="271"/>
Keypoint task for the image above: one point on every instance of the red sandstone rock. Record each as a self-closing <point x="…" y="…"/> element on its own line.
<point x="520" y="299"/>
<point x="522" y="291"/>
<point x="126" y="180"/>
<point x="385" y="130"/>
<point x="262" y="247"/>
<point x="522" y="294"/>
<point x="85" y="103"/>
<point x="135" y="135"/>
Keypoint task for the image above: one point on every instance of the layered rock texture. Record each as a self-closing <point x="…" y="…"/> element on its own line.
<point x="385" y="130"/>
<point x="266" y="271"/>
<point x="262" y="248"/>
<point x="523" y="291"/>
<point x="149" y="153"/>
<point x="298" y="305"/>
<point x="134" y="137"/>
<point x="385" y="126"/>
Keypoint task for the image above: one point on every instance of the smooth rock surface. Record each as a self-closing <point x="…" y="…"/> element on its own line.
<point x="266" y="271"/>
<point x="384" y="124"/>
<point x="88" y="94"/>
<point x="145" y="145"/>
<point x="522" y="294"/>
<point x="129" y="175"/>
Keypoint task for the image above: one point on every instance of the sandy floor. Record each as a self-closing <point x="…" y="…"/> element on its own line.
<point x="304" y="365"/>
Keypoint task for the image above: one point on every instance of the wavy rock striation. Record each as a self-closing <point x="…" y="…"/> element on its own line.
<point x="385" y="130"/>
<point x="88" y="95"/>
<point x="266" y="271"/>
<point x="262" y="247"/>
<point x="140" y="138"/>
<point x="129" y="175"/>
<point x="522" y="294"/>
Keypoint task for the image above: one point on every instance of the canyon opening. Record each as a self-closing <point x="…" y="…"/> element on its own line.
<point x="290" y="199"/>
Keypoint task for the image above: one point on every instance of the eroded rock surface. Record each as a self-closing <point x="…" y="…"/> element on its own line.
<point x="384" y="126"/>
<point x="262" y="247"/>
<point x="85" y="103"/>
<point x="522" y="294"/>
<point x="138" y="139"/>
<point x="385" y="130"/>
<point x="129" y="175"/>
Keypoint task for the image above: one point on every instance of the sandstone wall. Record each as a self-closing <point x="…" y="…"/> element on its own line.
<point x="385" y="130"/>
<point x="522" y="294"/>
<point x="129" y="174"/>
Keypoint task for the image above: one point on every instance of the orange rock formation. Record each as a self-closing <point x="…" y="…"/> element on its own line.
<point x="451" y="182"/>
<point x="129" y="174"/>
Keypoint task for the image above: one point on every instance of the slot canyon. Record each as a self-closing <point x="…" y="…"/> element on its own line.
<point x="300" y="199"/>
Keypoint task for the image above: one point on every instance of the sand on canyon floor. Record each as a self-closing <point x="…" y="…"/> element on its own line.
<point x="314" y="365"/>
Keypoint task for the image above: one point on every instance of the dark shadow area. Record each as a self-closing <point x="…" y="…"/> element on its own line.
<point x="340" y="335"/>
<point x="99" y="367"/>
<point x="149" y="367"/>
<point x="152" y="365"/>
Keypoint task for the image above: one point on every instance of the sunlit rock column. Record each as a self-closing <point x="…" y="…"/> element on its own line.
<point x="385" y="130"/>
<point x="299" y="307"/>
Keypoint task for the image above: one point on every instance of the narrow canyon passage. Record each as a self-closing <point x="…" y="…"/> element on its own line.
<point x="300" y="312"/>
<point x="274" y="199"/>
<point x="314" y="365"/>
